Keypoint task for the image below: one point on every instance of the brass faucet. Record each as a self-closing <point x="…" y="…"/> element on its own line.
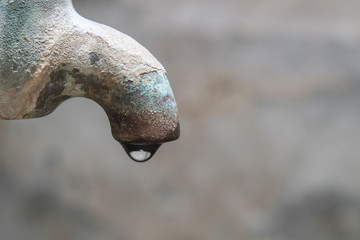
<point x="49" y="53"/>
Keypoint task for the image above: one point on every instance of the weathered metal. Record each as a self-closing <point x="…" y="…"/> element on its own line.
<point x="49" y="53"/>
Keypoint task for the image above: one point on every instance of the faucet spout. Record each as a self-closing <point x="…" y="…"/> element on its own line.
<point x="50" y="54"/>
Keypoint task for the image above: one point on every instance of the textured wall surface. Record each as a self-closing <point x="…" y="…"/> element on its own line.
<point x="268" y="95"/>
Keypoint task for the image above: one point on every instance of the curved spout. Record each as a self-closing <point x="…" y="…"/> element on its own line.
<point x="50" y="54"/>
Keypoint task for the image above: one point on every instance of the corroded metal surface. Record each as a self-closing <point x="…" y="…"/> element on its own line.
<point x="48" y="53"/>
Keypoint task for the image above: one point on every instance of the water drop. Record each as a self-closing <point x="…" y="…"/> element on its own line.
<point x="140" y="152"/>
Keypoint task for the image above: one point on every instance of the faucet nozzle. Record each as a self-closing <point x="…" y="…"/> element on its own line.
<point x="48" y="54"/>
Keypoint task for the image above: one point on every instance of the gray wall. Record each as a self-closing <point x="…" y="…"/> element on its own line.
<point x="268" y="93"/>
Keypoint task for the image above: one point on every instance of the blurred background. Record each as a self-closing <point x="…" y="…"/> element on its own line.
<point x="268" y="94"/>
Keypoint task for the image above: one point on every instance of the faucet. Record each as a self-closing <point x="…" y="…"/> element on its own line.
<point x="49" y="53"/>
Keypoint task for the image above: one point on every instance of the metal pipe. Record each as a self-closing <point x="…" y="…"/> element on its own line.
<point x="49" y="53"/>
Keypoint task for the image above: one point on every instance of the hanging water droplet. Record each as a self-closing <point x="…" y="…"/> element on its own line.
<point x="140" y="152"/>
<point x="140" y="155"/>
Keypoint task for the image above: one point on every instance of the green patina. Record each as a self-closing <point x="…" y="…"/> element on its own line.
<point x="22" y="38"/>
<point x="152" y="89"/>
<point x="17" y="50"/>
<point x="156" y="84"/>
